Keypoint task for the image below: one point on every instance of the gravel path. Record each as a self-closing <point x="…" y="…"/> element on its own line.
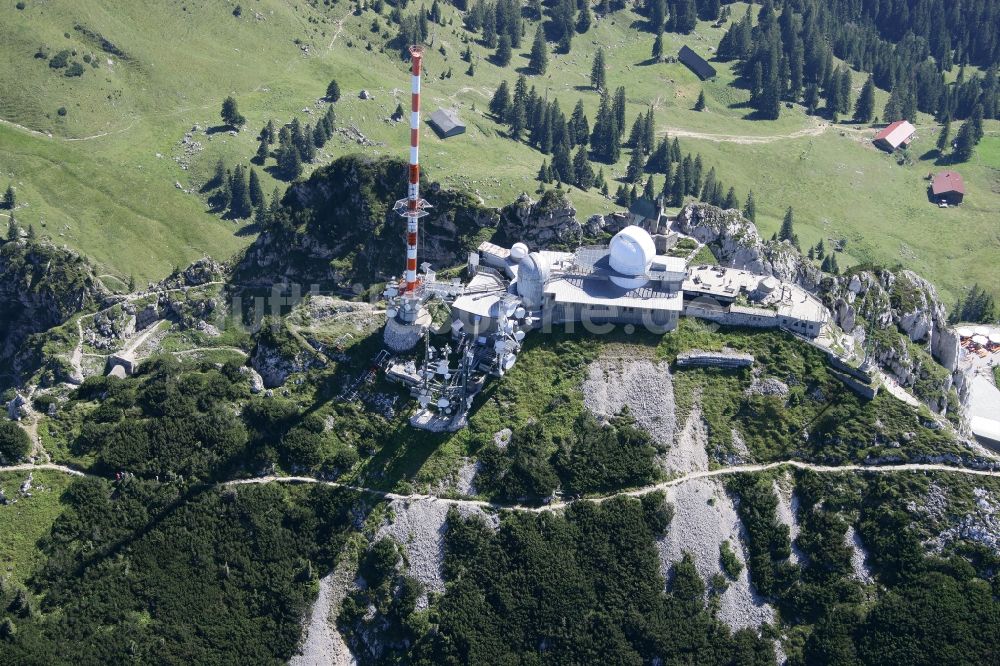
<point x="323" y="644"/>
<point x="704" y="517"/>
<point x="643" y="386"/>
<point x="689" y="453"/>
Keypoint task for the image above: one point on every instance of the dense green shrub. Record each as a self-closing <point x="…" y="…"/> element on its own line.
<point x="146" y="572"/>
<point x="601" y="458"/>
<point x="14" y="443"/>
<point x="580" y="588"/>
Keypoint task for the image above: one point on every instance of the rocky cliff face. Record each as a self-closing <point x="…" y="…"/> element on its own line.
<point x="41" y="286"/>
<point x="338" y="228"/>
<point x="877" y="303"/>
<point x="735" y="241"/>
<point x="551" y="223"/>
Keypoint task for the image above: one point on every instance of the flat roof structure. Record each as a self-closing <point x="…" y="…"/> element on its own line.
<point x="770" y="297"/>
<point x="597" y="291"/>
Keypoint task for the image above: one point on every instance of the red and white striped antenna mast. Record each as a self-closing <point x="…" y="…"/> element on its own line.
<point x="413" y="207"/>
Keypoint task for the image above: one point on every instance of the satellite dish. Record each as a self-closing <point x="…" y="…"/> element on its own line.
<point x="519" y="336"/>
<point x="391" y="292"/>
<point x="391" y="313"/>
<point x="510" y="308"/>
<point x="443" y="403"/>
<point x="519" y="313"/>
<point x="508" y="362"/>
<point x="424" y="400"/>
<point x="499" y="346"/>
<point x="442" y="368"/>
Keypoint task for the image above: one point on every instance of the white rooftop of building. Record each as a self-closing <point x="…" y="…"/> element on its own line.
<point x="784" y="298"/>
<point x="597" y="291"/>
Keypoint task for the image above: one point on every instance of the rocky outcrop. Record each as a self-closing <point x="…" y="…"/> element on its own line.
<point x="277" y="355"/>
<point x="201" y="272"/>
<point x="338" y="227"/>
<point x="880" y="302"/>
<point x="549" y="222"/>
<point x="41" y="286"/>
<point x="735" y="242"/>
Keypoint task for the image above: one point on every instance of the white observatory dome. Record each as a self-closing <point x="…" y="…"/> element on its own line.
<point x="632" y="251"/>
<point x="532" y="274"/>
<point x="518" y="252"/>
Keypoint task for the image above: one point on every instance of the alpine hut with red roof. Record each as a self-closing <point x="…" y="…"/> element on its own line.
<point x="948" y="187"/>
<point x="897" y="135"/>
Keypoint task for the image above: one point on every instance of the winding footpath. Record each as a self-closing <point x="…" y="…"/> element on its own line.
<point x="557" y="506"/>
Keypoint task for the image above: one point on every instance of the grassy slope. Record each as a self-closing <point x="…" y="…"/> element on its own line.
<point x="27" y="520"/>
<point x="168" y="85"/>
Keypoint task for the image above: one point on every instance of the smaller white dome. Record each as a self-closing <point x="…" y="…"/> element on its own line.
<point x="518" y="252"/>
<point x="632" y="251"/>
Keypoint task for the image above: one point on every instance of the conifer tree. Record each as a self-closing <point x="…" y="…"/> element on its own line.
<point x="539" y="60"/>
<point x="333" y="91"/>
<point x="543" y="173"/>
<point x="675" y="150"/>
<point x="648" y="132"/>
<point x="750" y="208"/>
<point x="695" y="177"/>
<point x="657" y="53"/>
<point x="679" y="189"/>
<point x="659" y="158"/>
<point x="709" y="187"/>
<point x="231" y="114"/>
<point x="9" y="198"/>
<point x="219" y="175"/>
<point x="618" y="109"/>
<point x="731" y="202"/>
<point x="12" y="231"/>
<point x="864" y="110"/>
<point x="579" y="127"/>
<point x="787" y="231"/>
<point x="647" y="190"/>
<point x="965" y="142"/>
<point x="583" y="172"/>
<point x="635" y="166"/>
<point x="562" y="164"/>
<point x="637" y="135"/>
<point x="240" y="205"/>
<point x="598" y="72"/>
<point x="944" y="137"/>
<point x="268" y="134"/>
<point x="700" y="104"/>
<point x="255" y="190"/>
<point x="584" y="18"/>
<point x="500" y="104"/>
<point x="263" y="152"/>
<point x="844" y="95"/>
<point x="503" y="54"/>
